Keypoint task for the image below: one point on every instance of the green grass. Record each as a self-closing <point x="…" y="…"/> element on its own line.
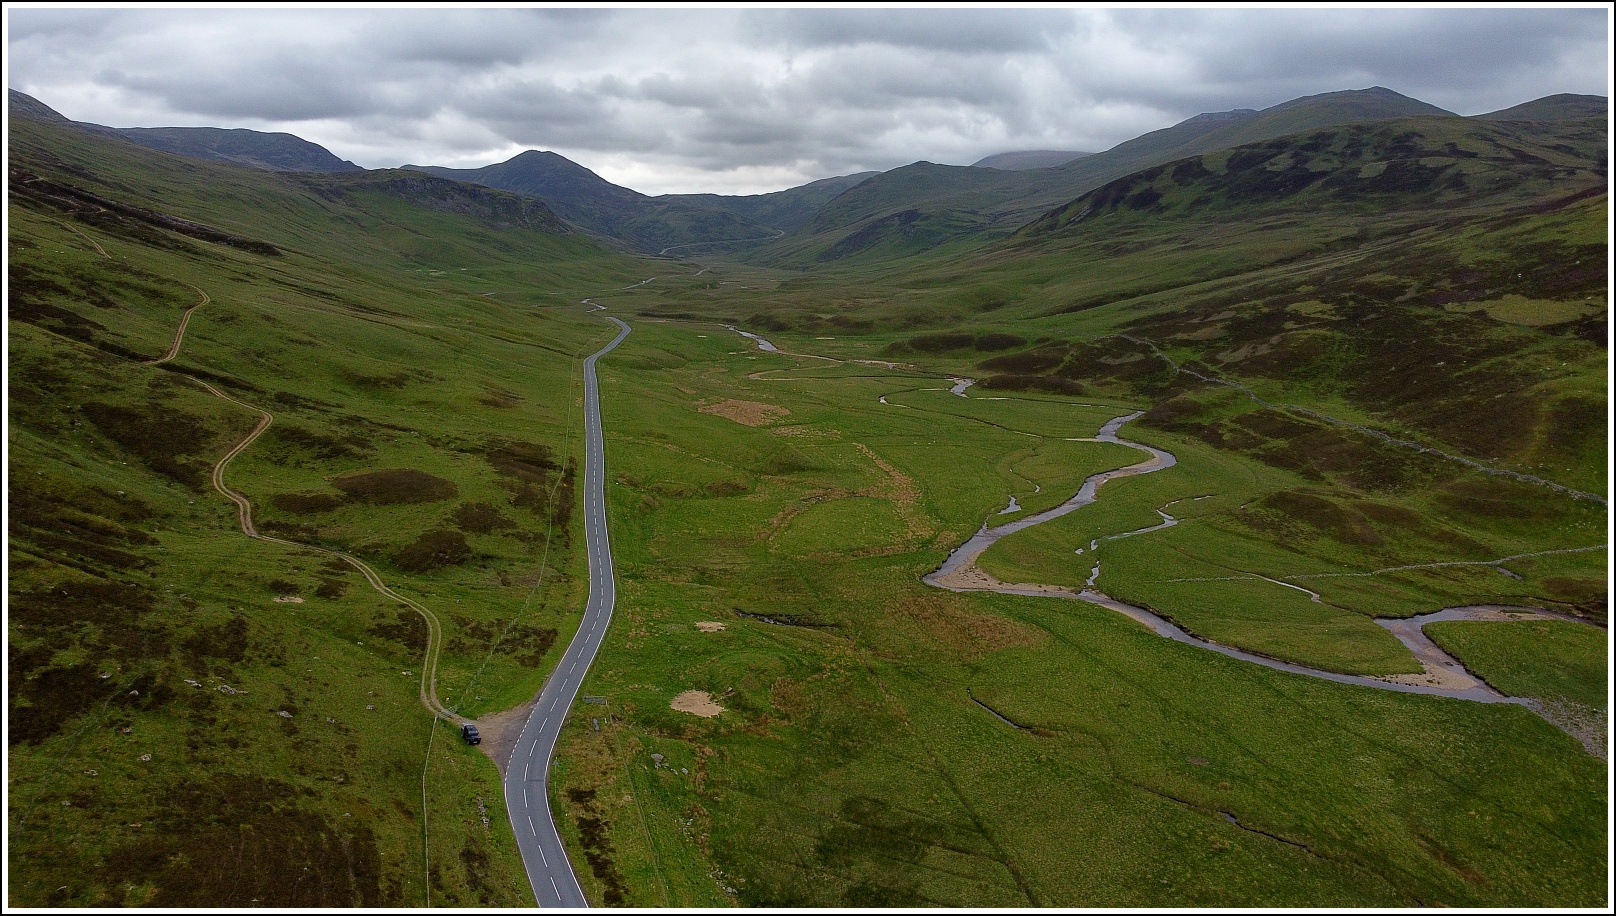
<point x="851" y="766"/>
<point x="1550" y="660"/>
<point x="375" y="352"/>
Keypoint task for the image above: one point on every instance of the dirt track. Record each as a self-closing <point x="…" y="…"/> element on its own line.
<point x="179" y="334"/>
<point x="434" y="646"/>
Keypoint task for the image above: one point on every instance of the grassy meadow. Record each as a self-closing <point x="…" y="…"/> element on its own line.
<point x="861" y="757"/>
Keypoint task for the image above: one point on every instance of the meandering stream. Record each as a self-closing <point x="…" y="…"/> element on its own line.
<point x="1443" y="674"/>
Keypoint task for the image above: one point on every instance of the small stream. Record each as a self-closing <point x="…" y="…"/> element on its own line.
<point x="1443" y="676"/>
<point x="762" y="344"/>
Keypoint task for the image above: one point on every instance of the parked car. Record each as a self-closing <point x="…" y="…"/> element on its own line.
<point x="469" y="732"/>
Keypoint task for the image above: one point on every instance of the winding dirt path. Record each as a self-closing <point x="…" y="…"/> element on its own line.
<point x="434" y="644"/>
<point x="179" y="333"/>
<point x="85" y="236"/>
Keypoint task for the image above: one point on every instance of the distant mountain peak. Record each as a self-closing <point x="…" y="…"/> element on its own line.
<point x="1019" y="160"/>
<point x="21" y="103"/>
<point x="254" y="149"/>
<point x="1211" y="117"/>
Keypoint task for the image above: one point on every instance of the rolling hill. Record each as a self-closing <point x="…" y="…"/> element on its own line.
<point x="970" y="200"/>
<point x="1028" y="159"/>
<point x="276" y="152"/>
<point x="650" y="223"/>
<point x="201" y="718"/>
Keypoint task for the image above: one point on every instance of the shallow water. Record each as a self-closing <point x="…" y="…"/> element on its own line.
<point x="1409" y="631"/>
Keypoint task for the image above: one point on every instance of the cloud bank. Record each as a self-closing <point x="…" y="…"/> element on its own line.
<point x="744" y="101"/>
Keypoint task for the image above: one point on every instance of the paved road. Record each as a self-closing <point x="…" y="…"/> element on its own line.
<point x="527" y="796"/>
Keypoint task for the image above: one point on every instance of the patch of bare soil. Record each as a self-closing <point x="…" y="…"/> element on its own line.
<point x="288" y="599"/>
<point x="697" y="703"/>
<point x="500" y="732"/>
<point x="746" y="413"/>
<point x="709" y="626"/>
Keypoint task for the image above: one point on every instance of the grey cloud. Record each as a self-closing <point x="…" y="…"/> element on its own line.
<point x="969" y="31"/>
<point x="810" y="92"/>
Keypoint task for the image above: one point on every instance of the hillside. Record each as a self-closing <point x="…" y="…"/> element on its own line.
<point x="648" y="223"/>
<point x="1416" y="166"/>
<point x="1563" y="107"/>
<point x="1028" y="159"/>
<point x="997" y="202"/>
<point x="378" y="364"/>
<point x="276" y="152"/>
<point x="786" y="209"/>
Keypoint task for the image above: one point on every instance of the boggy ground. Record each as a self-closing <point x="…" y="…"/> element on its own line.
<point x="883" y="742"/>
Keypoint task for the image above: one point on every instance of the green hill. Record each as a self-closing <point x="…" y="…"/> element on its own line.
<point x="649" y="223"/>
<point x="197" y="718"/>
<point x="1413" y="166"/>
<point x="962" y="202"/>
<point x="277" y="152"/>
<point x="1028" y="159"/>
<point x="1563" y="107"/>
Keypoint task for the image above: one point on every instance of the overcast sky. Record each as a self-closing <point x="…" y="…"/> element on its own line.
<point x="745" y="101"/>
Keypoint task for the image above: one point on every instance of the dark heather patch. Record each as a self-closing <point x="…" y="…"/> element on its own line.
<point x="237" y="841"/>
<point x="391" y="487"/>
<point x="164" y="439"/>
<point x="593" y="832"/>
<point x="989" y="343"/>
<point x="479" y="518"/>
<point x="406" y="628"/>
<point x="433" y="549"/>
<point x="525" y="642"/>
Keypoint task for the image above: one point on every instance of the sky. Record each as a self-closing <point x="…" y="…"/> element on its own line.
<point x="743" y="101"/>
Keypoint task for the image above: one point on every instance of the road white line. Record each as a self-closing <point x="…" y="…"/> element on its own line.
<point x="544" y="858"/>
<point x="557" y="889"/>
<point x="530" y="828"/>
<point x="525" y="768"/>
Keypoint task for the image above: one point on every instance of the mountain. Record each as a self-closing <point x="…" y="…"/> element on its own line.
<point x="997" y="202"/>
<point x="590" y="201"/>
<point x="786" y="209"/>
<point x="24" y="105"/>
<point x="652" y="224"/>
<point x="275" y="152"/>
<point x="1563" y="107"/>
<point x="1028" y="159"/>
<point x="1421" y="165"/>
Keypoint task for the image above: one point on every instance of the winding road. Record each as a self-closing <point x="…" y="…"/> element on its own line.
<point x="527" y="790"/>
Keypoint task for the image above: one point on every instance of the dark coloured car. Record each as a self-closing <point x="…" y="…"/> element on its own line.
<point x="469" y="732"/>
